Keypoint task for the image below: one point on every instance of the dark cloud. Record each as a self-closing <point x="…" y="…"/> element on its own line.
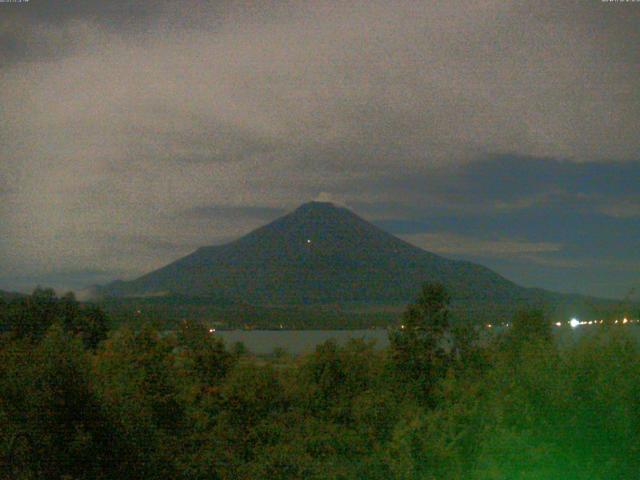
<point x="188" y="123"/>
<point x="509" y="176"/>
<point x="509" y="183"/>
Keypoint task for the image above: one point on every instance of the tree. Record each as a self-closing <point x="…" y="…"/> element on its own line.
<point x="136" y="381"/>
<point x="249" y="420"/>
<point x="528" y="326"/>
<point x="30" y="317"/>
<point x="47" y="397"/>
<point x="4" y="308"/>
<point x="92" y="326"/>
<point x="418" y="348"/>
<point x="429" y="314"/>
<point x="204" y="353"/>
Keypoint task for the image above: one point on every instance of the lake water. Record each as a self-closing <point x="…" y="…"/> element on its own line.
<point x="263" y="342"/>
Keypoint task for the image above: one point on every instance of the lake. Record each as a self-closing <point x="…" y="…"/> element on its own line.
<point x="263" y="342"/>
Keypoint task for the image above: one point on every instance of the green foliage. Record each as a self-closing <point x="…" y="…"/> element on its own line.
<point x="136" y="381"/>
<point x="204" y="354"/>
<point x="531" y="326"/>
<point x="91" y="326"/>
<point x="252" y="401"/>
<point x="440" y="403"/>
<point x="46" y="396"/>
<point x="239" y="349"/>
<point x="418" y="348"/>
<point x="429" y="314"/>
<point x="30" y="317"/>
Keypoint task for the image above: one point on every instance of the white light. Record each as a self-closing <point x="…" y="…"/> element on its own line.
<point x="212" y="330"/>
<point x="574" y="322"/>
<point x="558" y="324"/>
<point x="624" y="320"/>
<point x="308" y="240"/>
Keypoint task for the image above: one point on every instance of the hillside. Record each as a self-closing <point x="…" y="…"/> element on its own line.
<point x="322" y="254"/>
<point x="319" y="253"/>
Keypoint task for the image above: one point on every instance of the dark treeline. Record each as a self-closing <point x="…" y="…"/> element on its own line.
<point x="79" y="402"/>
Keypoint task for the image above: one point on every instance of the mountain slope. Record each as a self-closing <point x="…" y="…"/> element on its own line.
<point x="320" y="254"/>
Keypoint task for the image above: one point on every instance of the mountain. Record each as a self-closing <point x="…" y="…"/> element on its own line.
<point x="322" y="254"/>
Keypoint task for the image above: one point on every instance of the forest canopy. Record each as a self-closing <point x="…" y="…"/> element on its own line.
<point x="79" y="401"/>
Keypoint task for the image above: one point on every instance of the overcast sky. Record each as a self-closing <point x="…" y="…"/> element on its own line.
<point x="132" y="132"/>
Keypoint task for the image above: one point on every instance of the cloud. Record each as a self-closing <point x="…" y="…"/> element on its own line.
<point x="234" y="211"/>
<point x="330" y="198"/>
<point x="119" y="117"/>
<point x="625" y="208"/>
<point x="453" y="244"/>
<point x="502" y="185"/>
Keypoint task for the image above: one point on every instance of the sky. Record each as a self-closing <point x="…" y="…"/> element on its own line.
<point x="502" y="132"/>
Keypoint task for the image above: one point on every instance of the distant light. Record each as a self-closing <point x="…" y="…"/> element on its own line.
<point x="308" y="240"/>
<point x="489" y="325"/>
<point x="212" y="330"/>
<point x="574" y="322"/>
<point x="624" y="320"/>
<point x="401" y="327"/>
<point x="558" y="324"/>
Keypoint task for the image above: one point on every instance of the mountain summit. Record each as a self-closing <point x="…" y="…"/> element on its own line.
<point x="318" y="254"/>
